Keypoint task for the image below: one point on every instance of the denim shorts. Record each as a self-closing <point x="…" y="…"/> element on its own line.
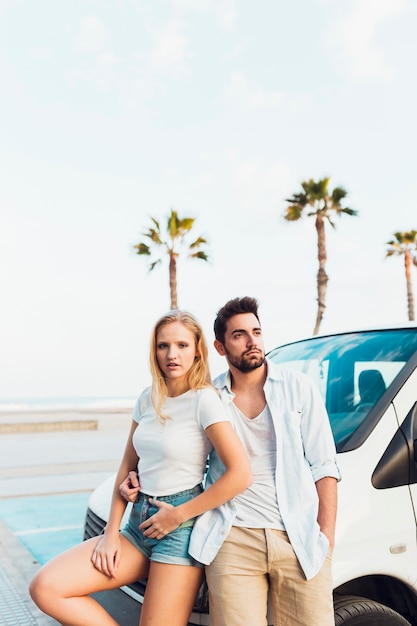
<point x="173" y="548"/>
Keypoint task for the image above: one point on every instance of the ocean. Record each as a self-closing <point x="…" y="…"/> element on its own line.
<point x="65" y="403"/>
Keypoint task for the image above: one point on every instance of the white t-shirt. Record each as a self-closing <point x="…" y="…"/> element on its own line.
<point x="172" y="454"/>
<point x="257" y="506"/>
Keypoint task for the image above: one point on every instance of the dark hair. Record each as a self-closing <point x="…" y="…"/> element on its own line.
<point x="230" y="309"/>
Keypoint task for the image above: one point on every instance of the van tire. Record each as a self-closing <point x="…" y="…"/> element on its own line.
<point x="356" y="611"/>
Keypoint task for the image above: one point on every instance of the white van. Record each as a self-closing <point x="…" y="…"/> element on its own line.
<point x="368" y="379"/>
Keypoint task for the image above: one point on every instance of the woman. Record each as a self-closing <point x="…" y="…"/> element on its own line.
<point x="175" y="423"/>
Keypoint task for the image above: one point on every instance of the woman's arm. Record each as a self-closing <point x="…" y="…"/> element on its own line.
<point x="106" y="554"/>
<point x="237" y="477"/>
<point x="118" y="504"/>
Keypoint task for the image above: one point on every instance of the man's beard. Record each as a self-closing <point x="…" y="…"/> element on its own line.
<point x="244" y="364"/>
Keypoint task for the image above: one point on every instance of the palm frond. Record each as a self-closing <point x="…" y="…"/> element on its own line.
<point x="198" y="242"/>
<point x="179" y="227"/>
<point x="348" y="211"/>
<point x="409" y="237"/>
<point x="404" y="240"/>
<point x="331" y="222"/>
<point x="315" y="190"/>
<point x="186" y="223"/>
<point x="321" y="202"/>
<point x="298" y="198"/>
<point x="293" y="212"/>
<point x="154" y="264"/>
<point x="338" y="194"/>
<point x="395" y="248"/>
<point x="142" y="248"/>
<point x="154" y="236"/>
<point x="172" y="223"/>
<point x="199" y="255"/>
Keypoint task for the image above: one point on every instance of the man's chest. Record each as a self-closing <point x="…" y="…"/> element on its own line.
<point x="251" y="405"/>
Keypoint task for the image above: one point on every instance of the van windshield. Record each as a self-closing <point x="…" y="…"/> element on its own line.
<point x="352" y="371"/>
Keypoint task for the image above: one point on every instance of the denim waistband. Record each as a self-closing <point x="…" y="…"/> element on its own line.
<point x="194" y="491"/>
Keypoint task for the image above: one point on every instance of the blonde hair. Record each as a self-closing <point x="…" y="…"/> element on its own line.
<point x="199" y="373"/>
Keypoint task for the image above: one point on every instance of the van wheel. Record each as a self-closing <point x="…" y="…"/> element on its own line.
<point x="355" y="611"/>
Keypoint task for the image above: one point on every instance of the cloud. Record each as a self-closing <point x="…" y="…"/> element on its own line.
<point x="102" y="73"/>
<point x="224" y="11"/>
<point x="136" y="76"/>
<point x="353" y="36"/>
<point x="226" y="14"/>
<point x="92" y="36"/>
<point x="40" y="53"/>
<point x="105" y="71"/>
<point x="244" y="93"/>
<point x="169" y="47"/>
<point x="164" y="58"/>
<point x="261" y="184"/>
<point x="6" y="4"/>
<point x="100" y="69"/>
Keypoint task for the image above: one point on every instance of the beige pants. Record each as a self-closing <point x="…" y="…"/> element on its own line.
<point x="254" y="562"/>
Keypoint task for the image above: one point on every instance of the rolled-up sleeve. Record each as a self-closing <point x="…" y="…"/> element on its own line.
<point x="317" y="436"/>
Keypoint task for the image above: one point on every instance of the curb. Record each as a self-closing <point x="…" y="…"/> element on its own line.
<point x="61" y="420"/>
<point x="41" y="427"/>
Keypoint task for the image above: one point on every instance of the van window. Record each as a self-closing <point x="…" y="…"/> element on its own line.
<point x="351" y="370"/>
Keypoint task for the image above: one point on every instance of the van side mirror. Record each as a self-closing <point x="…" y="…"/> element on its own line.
<point x="398" y="464"/>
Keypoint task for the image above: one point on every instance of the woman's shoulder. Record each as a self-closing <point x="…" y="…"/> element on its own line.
<point x="142" y="403"/>
<point x="206" y="392"/>
<point x="146" y="393"/>
<point x="208" y="399"/>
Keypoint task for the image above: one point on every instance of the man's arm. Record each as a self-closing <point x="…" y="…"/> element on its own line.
<point x="327" y="492"/>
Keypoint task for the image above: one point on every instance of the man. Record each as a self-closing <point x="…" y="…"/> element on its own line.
<point x="275" y="539"/>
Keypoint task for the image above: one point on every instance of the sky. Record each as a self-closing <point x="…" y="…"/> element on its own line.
<point x="113" y="111"/>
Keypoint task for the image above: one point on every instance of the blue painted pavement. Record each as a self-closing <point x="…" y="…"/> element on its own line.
<point x="46" y="525"/>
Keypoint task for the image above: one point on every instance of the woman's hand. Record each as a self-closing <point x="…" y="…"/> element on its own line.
<point x="130" y="487"/>
<point x="106" y="554"/>
<point x="165" y="521"/>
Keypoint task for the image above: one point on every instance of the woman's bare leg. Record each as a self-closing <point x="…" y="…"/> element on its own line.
<point x="170" y="594"/>
<point x="61" y="588"/>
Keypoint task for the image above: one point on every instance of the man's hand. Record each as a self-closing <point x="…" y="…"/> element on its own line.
<point x="130" y="487"/>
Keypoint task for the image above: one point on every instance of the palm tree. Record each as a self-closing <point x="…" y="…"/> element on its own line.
<point x="405" y="243"/>
<point x="321" y="204"/>
<point x="172" y="241"/>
